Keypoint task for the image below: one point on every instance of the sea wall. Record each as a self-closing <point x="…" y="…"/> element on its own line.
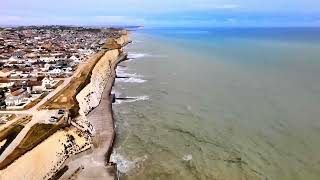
<point x="90" y="96"/>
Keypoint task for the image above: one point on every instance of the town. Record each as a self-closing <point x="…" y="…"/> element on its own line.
<point x="36" y="60"/>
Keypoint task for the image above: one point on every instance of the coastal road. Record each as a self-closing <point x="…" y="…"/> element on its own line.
<point x="51" y="94"/>
<point x="34" y="110"/>
<point x="66" y="81"/>
<point x="39" y="116"/>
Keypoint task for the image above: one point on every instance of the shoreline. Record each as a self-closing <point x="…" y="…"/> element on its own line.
<point x="102" y="119"/>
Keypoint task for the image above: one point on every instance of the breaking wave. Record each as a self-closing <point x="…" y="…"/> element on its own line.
<point x="121" y="73"/>
<point x="128" y="77"/>
<point x="187" y="157"/>
<point x="131" y="80"/>
<point x="117" y="93"/>
<point x="121" y="68"/>
<point x="124" y="165"/>
<point x="133" y="99"/>
<point x="132" y="55"/>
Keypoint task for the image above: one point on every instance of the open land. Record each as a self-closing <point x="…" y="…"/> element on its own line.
<point x="39" y="90"/>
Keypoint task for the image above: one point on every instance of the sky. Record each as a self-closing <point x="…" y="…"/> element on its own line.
<point x="163" y="13"/>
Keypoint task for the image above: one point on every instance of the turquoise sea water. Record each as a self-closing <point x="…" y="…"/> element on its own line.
<point x="220" y="104"/>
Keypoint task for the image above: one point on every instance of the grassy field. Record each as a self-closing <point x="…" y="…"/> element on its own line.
<point x="10" y="135"/>
<point x="6" y="131"/>
<point x="35" y="102"/>
<point x="66" y="98"/>
<point x="36" y="134"/>
<point x="58" y="84"/>
<point x="11" y="132"/>
<point x="12" y="117"/>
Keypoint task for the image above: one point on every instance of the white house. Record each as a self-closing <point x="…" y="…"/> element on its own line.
<point x="7" y="85"/>
<point x="48" y="83"/>
<point x="55" y="72"/>
<point x="12" y="59"/>
<point x="17" y="100"/>
<point x="75" y="59"/>
<point x="48" y="59"/>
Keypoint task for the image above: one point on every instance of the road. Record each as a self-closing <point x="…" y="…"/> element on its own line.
<point x="39" y="116"/>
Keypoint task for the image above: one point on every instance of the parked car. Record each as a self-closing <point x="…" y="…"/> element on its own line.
<point x="61" y="111"/>
<point x="53" y="119"/>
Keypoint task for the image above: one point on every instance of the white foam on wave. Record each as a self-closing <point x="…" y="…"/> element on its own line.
<point x="124" y="165"/>
<point x="121" y="73"/>
<point x="121" y="68"/>
<point x="133" y="55"/>
<point x="117" y="93"/>
<point x="133" y="99"/>
<point x="131" y="80"/>
<point x="124" y="74"/>
<point x="187" y="157"/>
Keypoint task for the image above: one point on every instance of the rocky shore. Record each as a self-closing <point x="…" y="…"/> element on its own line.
<point x="59" y="150"/>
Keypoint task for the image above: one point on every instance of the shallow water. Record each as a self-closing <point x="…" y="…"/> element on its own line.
<point x="220" y="104"/>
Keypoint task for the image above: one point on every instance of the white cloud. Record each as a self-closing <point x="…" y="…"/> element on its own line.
<point x="118" y="20"/>
<point x="70" y="20"/>
<point x="217" y="6"/>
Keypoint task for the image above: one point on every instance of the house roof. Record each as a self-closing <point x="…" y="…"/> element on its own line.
<point x="5" y="70"/>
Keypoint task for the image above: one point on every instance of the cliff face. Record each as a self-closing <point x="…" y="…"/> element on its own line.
<point x="90" y="96"/>
<point x="123" y="39"/>
<point x="45" y="159"/>
<point x="117" y="43"/>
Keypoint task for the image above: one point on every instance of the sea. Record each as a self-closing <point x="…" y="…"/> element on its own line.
<point x="219" y="103"/>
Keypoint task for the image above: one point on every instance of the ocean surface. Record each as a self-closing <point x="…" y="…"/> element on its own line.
<point x="220" y="103"/>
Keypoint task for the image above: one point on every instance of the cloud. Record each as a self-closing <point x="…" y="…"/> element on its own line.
<point x="210" y="6"/>
<point x="70" y="20"/>
<point x="118" y="19"/>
